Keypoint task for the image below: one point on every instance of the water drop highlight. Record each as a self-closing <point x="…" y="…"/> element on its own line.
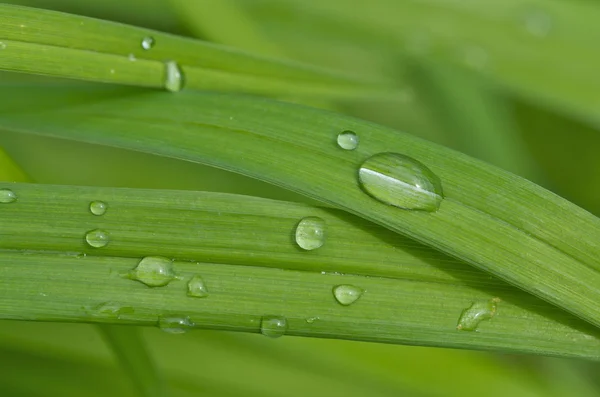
<point x="175" y="324"/>
<point x="97" y="238"/>
<point x="479" y="311"/>
<point x="347" y="294"/>
<point x="7" y="196"/>
<point x="173" y="76"/>
<point x="347" y="140"/>
<point x="273" y="326"/>
<point x="113" y="310"/>
<point x="154" y="271"/>
<point x="401" y="181"/>
<point x="197" y="288"/>
<point x="147" y="42"/>
<point x="98" y="208"/>
<point x="310" y="233"/>
<point x="2" y="45"/>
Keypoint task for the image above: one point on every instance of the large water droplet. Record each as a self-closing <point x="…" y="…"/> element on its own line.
<point x="476" y="313"/>
<point x="98" y="207"/>
<point x="538" y="23"/>
<point x="310" y="233"/>
<point x="273" y="326"/>
<point x="347" y="140"/>
<point x="173" y="76"/>
<point x="347" y="294"/>
<point x="97" y="238"/>
<point x="175" y="324"/>
<point x="401" y="181"/>
<point x="7" y="196"/>
<point x="113" y="310"/>
<point x="197" y="288"/>
<point x="147" y="42"/>
<point x="154" y="271"/>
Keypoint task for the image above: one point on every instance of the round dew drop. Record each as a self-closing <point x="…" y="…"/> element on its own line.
<point x="401" y="181"/>
<point x="347" y="294"/>
<point x="98" y="208"/>
<point x="347" y="140"/>
<point x="197" y="288"/>
<point x="147" y="42"/>
<point x="154" y="271"/>
<point x="97" y="238"/>
<point x="173" y="76"/>
<point x="310" y="233"/>
<point x="175" y="324"/>
<point x="273" y="326"/>
<point x="7" y="196"/>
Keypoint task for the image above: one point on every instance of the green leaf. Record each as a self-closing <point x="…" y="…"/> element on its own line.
<point x="489" y="218"/>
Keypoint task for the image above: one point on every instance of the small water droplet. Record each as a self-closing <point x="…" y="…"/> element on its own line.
<point x="154" y="271"/>
<point x="7" y="196"/>
<point x="147" y="42"/>
<point x="97" y="238"/>
<point x="98" y="207"/>
<point x="197" y="288"/>
<point x="538" y="23"/>
<point x="310" y="233"/>
<point x="173" y="76"/>
<point x="311" y="320"/>
<point x="347" y="294"/>
<point x="2" y="45"/>
<point x="475" y="57"/>
<point x="175" y="324"/>
<point x="113" y="310"/>
<point x="131" y="57"/>
<point x="476" y="313"/>
<point x="347" y="140"/>
<point x="401" y="181"/>
<point x="273" y="326"/>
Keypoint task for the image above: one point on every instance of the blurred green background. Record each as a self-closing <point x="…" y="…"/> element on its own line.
<point x="465" y="101"/>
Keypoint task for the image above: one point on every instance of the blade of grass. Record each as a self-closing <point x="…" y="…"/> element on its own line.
<point x="489" y="218"/>
<point x="9" y="171"/>
<point x="243" y="249"/>
<point x="48" y="42"/>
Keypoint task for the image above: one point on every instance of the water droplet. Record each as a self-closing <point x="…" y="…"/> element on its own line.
<point x="197" y="288"/>
<point x="173" y="77"/>
<point x="154" y="271"/>
<point x="7" y="196"/>
<point x="113" y="310"/>
<point x="97" y="238"/>
<point x="112" y="71"/>
<point x="347" y="140"/>
<point x="347" y="294"/>
<point x="310" y="233"/>
<point x="476" y="313"/>
<point x="538" y="23"/>
<point x="98" y="207"/>
<point x="401" y="181"/>
<point x="273" y="326"/>
<point x="2" y="45"/>
<point x="175" y="324"/>
<point x="475" y="57"/>
<point x="147" y="42"/>
<point x="132" y="57"/>
<point x="311" y="320"/>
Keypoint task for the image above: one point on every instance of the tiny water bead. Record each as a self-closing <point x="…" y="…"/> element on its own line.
<point x="97" y="238"/>
<point x="197" y="288"/>
<point x="173" y="76"/>
<point x="98" y="208"/>
<point x="147" y="42"/>
<point x="401" y="181"/>
<point x="175" y="324"/>
<point x="113" y="310"/>
<point x="154" y="271"/>
<point x="347" y="294"/>
<point x="471" y="317"/>
<point x="347" y="140"/>
<point x="7" y="196"/>
<point x="310" y="233"/>
<point x="273" y="326"/>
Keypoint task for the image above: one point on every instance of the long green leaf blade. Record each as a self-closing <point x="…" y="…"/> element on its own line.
<point x="490" y="218"/>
